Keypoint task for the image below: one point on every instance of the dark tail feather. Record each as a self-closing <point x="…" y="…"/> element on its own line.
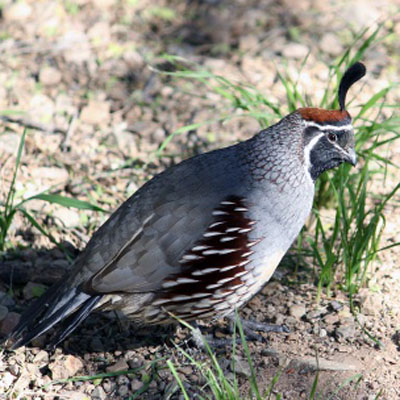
<point x="55" y="305"/>
<point x="74" y="320"/>
<point x="36" y="310"/>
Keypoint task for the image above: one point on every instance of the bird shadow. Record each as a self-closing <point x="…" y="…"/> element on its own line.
<point x="23" y="271"/>
<point x="102" y="334"/>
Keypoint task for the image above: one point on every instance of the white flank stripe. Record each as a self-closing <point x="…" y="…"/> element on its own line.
<point x="214" y="224"/>
<point x="197" y="311"/>
<point x="180" y="298"/>
<point x="220" y="252"/>
<point x="221" y="306"/>
<point x="200" y="248"/>
<point x="227" y="203"/>
<point x="229" y="267"/>
<point x="200" y="295"/>
<point x="228" y="251"/>
<point x="187" y="280"/>
<point x="238" y="275"/>
<point x="207" y="314"/>
<point x="219" y="212"/>
<point x="222" y="281"/>
<point x="204" y="271"/>
<point x="220" y="295"/>
<point x="241" y="291"/>
<point x="191" y="257"/>
<point x="169" y="284"/>
<point x="210" y="252"/>
<point x="214" y="286"/>
<point x="227" y="238"/>
<point x="160" y="301"/>
<point x="214" y="300"/>
<point x="241" y="209"/>
<point x="233" y="229"/>
<point x="212" y="233"/>
<point x="234" y="288"/>
<point x="245" y="230"/>
<point x="244" y="255"/>
<point x="205" y="303"/>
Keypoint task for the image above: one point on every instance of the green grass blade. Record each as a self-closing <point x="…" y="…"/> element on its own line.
<point x="36" y="224"/>
<point x="178" y="379"/>
<point x="11" y="192"/>
<point x="8" y="212"/>
<point x="355" y="378"/>
<point x="372" y="101"/>
<point x="65" y="201"/>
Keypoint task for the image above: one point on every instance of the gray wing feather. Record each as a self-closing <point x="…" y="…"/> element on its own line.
<point x="145" y="238"/>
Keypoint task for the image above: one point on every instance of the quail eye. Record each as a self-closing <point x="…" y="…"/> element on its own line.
<point x="332" y="137"/>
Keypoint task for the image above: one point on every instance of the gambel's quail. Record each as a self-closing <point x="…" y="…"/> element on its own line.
<point x="203" y="237"/>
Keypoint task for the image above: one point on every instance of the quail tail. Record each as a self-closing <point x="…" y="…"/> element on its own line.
<point x="69" y="305"/>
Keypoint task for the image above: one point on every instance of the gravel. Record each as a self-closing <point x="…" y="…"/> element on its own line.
<point x="89" y="71"/>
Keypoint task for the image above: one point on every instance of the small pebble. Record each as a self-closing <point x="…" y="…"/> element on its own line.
<point x="9" y="323"/>
<point x="242" y="367"/>
<point x="123" y="390"/>
<point x="136" y="385"/>
<point x="65" y="367"/>
<point x="5" y="299"/>
<point x="297" y="311"/>
<point x="122" y="380"/>
<point x="323" y="333"/>
<point x="107" y="385"/>
<point x="50" y="76"/>
<point x="336" y="306"/>
<point x="3" y="312"/>
<point x="6" y="381"/>
<point x="120" y="365"/>
<point x="346" y="331"/>
<point x="98" y="394"/>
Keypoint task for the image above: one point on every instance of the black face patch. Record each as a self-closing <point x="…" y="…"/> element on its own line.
<point x="326" y="155"/>
<point x="309" y="133"/>
<point x="344" y="138"/>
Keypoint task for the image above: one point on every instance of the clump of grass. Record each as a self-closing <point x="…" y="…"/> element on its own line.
<point x="10" y="207"/>
<point x="346" y="249"/>
<point x="219" y="386"/>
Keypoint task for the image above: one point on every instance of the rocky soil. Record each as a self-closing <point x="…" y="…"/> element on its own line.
<point x="84" y="77"/>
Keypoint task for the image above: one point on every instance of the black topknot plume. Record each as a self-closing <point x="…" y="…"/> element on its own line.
<point x="352" y="75"/>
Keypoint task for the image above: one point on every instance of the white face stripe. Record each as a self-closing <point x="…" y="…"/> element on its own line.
<point x="308" y="148"/>
<point x="323" y="128"/>
<point x="347" y="127"/>
<point x="307" y="151"/>
<point x="343" y="151"/>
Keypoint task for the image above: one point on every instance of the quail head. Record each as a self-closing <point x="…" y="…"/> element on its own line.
<point x="204" y="236"/>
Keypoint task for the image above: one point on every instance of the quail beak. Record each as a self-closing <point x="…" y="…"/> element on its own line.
<point x="351" y="157"/>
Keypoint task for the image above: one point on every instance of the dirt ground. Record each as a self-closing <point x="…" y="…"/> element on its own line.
<point x="83" y="73"/>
